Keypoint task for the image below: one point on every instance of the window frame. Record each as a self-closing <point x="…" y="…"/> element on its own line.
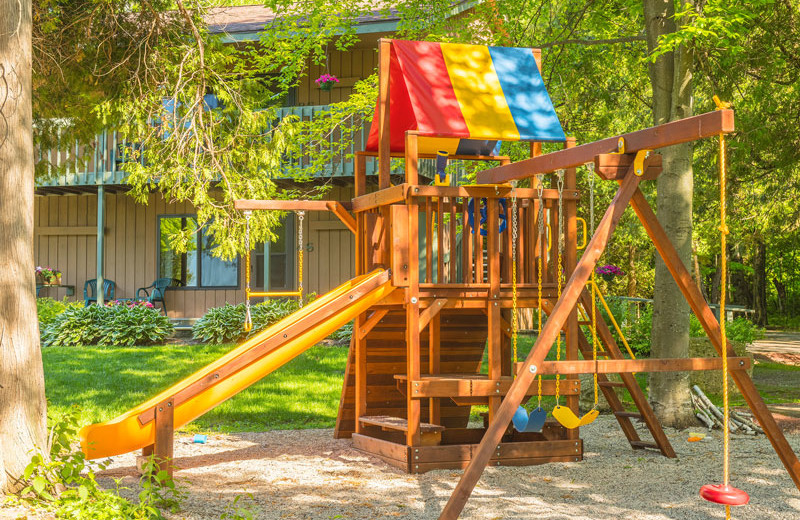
<point x="198" y="237"/>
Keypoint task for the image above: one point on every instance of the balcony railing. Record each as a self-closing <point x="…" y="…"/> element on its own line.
<point x="105" y="162"/>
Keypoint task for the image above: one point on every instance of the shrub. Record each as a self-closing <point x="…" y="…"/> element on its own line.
<point x="123" y="324"/>
<point x="64" y="484"/>
<point x="226" y="323"/>
<point x="344" y="333"/>
<point x="48" y="309"/>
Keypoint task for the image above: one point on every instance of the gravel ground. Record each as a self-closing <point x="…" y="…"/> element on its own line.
<point x="309" y="475"/>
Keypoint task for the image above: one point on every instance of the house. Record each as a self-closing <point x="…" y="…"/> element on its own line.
<point x="86" y="225"/>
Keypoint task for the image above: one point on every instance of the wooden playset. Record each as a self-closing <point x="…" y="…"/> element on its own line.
<point x="443" y="271"/>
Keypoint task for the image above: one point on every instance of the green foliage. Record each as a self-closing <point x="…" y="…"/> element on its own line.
<point x="123" y="325"/>
<point x="48" y="309"/>
<point x="344" y="333"/>
<point x="226" y="323"/>
<point x="61" y="481"/>
<point x="739" y="330"/>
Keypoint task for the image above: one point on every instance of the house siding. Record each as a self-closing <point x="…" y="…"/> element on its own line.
<point x="63" y="239"/>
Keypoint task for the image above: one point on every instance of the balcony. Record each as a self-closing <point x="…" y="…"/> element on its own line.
<point x="105" y="163"/>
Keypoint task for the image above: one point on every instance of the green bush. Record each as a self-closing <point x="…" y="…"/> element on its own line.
<point x="344" y="333"/>
<point x="226" y="323"/>
<point x="122" y="325"/>
<point x="48" y="309"/>
<point x="64" y="484"/>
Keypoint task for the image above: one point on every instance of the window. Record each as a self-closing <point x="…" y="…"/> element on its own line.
<point x="282" y="261"/>
<point x="197" y="267"/>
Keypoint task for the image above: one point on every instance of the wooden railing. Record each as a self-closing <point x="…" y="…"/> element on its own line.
<point x="452" y="246"/>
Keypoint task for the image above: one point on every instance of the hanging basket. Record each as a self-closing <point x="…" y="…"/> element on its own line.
<point x="326" y="85"/>
<point x="608" y="277"/>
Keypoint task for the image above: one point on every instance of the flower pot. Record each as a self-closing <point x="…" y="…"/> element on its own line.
<point x="327" y="85"/>
<point x="608" y="277"/>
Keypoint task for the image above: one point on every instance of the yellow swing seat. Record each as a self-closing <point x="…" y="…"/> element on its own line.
<point x="568" y="419"/>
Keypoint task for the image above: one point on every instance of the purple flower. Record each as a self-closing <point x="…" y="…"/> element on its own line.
<point x="610" y="270"/>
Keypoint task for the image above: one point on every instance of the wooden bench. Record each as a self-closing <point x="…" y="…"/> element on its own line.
<point x="430" y="434"/>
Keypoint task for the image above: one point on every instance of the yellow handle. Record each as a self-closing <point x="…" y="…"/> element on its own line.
<point x="549" y="238"/>
<point x="585" y="232"/>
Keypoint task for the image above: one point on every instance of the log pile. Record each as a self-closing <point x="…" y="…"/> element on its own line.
<point x="711" y="415"/>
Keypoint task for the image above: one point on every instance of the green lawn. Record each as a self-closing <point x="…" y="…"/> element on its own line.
<point x="104" y="382"/>
<point x="305" y="393"/>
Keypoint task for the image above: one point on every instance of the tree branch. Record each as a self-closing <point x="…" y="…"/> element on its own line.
<point x="609" y="41"/>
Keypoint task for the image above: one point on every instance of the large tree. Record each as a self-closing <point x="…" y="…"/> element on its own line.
<point x="671" y="79"/>
<point x="22" y="403"/>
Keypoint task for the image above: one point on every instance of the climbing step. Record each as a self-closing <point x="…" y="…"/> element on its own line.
<point x="641" y="445"/>
<point x="629" y="415"/>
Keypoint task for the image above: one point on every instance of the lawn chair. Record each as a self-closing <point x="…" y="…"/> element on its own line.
<point x="155" y="292"/>
<point x="90" y="291"/>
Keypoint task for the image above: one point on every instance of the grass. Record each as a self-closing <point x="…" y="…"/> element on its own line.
<point x="105" y="382"/>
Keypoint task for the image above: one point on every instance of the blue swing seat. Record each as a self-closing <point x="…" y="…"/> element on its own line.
<point x="528" y="423"/>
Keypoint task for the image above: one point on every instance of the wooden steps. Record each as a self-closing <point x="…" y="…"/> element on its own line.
<point x="463" y="341"/>
<point x="387" y="422"/>
<point x="628" y="382"/>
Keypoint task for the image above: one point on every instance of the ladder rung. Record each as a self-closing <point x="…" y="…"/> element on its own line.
<point x="618" y="384"/>
<point x="641" y="445"/>
<point x="630" y="415"/>
<point x="584" y="322"/>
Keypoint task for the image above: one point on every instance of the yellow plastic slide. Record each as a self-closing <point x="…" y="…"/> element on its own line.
<point x="238" y="369"/>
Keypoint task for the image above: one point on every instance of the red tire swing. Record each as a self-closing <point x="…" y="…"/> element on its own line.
<point x="724" y="493"/>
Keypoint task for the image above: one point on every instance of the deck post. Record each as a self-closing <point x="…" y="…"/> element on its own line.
<point x="570" y="261"/>
<point x="101" y="224"/>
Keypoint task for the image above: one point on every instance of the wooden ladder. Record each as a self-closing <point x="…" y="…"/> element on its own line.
<point x="610" y="350"/>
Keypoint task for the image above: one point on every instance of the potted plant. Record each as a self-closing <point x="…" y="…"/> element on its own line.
<point x="609" y="271"/>
<point x="48" y="275"/>
<point x="326" y="81"/>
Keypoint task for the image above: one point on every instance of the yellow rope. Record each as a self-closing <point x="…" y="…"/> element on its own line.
<point x="723" y="228"/>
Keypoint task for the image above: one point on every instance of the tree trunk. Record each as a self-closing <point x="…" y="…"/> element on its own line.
<point x="780" y="290"/>
<point x="22" y="404"/>
<point x="632" y="286"/>
<point x="671" y="79"/>
<point x="760" y="282"/>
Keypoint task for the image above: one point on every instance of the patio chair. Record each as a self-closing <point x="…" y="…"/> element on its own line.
<point x="155" y="292"/>
<point x="90" y="291"/>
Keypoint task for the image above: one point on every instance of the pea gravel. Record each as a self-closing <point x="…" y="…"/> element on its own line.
<point x="309" y="475"/>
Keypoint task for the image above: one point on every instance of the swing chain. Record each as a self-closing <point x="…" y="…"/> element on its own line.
<point x="540" y="217"/>
<point x="560" y="267"/>
<point x="300" y="216"/>
<point x="514" y="234"/>
<point x="248" y="319"/>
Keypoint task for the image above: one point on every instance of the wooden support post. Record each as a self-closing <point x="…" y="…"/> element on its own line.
<point x="434" y="357"/>
<point x="360" y="174"/>
<point x="706" y="317"/>
<point x="412" y="158"/>
<point x="551" y="329"/>
<point x="164" y="436"/>
<point x="494" y="345"/>
<point x="361" y="370"/>
<point x="384" y="137"/>
<point x="413" y="357"/>
<point x="570" y="261"/>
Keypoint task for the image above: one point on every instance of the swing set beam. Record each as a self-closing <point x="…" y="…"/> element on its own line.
<point x="693" y="128"/>
<point x="620" y="366"/>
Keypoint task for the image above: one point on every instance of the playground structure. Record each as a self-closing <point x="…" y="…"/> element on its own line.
<point x="440" y="270"/>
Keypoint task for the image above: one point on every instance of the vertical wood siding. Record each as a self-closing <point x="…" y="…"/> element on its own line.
<point x="132" y="249"/>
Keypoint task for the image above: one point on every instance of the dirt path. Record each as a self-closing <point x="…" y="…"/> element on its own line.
<point x="778" y="346"/>
<point x="309" y="475"/>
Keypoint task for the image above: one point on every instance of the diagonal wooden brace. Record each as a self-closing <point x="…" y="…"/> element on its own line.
<point x="701" y="309"/>
<point x="551" y="329"/>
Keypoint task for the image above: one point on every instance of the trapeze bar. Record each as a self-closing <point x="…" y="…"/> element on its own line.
<point x="253" y="294"/>
<point x="621" y="366"/>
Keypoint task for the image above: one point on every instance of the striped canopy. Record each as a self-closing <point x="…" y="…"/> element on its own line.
<point x="465" y="98"/>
